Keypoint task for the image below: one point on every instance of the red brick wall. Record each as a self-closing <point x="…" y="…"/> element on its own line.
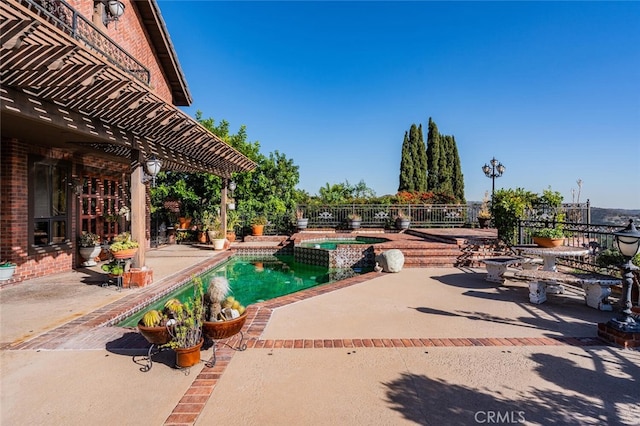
<point x="14" y="205"/>
<point x="129" y="33"/>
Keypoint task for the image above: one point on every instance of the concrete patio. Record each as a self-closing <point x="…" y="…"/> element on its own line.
<point x="423" y="346"/>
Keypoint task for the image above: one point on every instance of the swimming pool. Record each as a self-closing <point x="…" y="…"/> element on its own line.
<point x="255" y="279"/>
<point x="332" y="244"/>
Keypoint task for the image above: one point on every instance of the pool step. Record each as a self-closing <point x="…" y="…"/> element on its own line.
<point x="427" y="255"/>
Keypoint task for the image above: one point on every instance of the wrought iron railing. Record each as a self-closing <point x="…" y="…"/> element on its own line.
<point x="62" y="15"/>
<point x="595" y="237"/>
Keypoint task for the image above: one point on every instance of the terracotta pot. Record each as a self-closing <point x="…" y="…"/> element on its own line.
<point x="188" y="357"/>
<point x="202" y="237"/>
<point x="548" y="242"/>
<point x="231" y="236"/>
<point x="185" y="222"/>
<point x="157" y="335"/>
<point x="257" y="229"/>
<point x="223" y="329"/>
<point x="125" y="254"/>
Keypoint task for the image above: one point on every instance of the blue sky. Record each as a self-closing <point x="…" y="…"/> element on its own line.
<point x="551" y="89"/>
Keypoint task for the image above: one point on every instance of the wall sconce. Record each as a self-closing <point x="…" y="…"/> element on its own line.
<point x="113" y="10"/>
<point x="153" y="167"/>
<point x="77" y="185"/>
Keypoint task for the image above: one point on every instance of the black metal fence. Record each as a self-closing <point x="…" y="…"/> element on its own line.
<point x="383" y="216"/>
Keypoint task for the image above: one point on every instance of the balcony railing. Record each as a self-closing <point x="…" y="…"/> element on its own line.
<point x="63" y="16"/>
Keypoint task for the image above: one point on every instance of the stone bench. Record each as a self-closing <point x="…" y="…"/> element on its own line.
<point x="597" y="287"/>
<point x="497" y="266"/>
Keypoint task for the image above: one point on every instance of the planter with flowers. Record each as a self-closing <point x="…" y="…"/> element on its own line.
<point x="7" y="269"/>
<point x="89" y="248"/>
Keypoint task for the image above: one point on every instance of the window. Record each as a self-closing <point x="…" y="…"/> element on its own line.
<point x="49" y="202"/>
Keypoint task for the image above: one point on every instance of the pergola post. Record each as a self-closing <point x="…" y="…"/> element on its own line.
<point x="138" y="211"/>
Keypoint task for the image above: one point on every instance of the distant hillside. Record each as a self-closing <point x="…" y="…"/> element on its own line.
<point x="620" y="217"/>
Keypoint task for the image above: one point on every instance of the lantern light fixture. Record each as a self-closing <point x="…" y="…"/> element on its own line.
<point x="493" y="171"/>
<point x="628" y="242"/>
<point x="154" y="165"/>
<point x="113" y="10"/>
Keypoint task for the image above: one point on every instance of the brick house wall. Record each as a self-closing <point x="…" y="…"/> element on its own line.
<point x="15" y="246"/>
<point x="14" y="208"/>
<point x="129" y="33"/>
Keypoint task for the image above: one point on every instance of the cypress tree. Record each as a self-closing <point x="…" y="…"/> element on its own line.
<point x="433" y="156"/>
<point x="406" y="166"/>
<point x="419" y="152"/>
<point x="457" y="176"/>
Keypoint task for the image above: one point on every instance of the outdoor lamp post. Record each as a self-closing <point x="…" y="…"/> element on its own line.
<point x="493" y="171"/>
<point x="628" y="242"/>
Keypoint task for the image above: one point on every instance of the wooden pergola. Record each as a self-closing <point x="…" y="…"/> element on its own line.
<point x="61" y="87"/>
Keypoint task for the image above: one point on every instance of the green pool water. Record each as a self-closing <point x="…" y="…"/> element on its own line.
<point x="256" y="279"/>
<point x="333" y="244"/>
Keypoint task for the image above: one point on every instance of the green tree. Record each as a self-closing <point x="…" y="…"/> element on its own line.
<point x="269" y="188"/>
<point x="406" y="167"/>
<point x="509" y="206"/>
<point x="419" y="154"/>
<point x="457" y="178"/>
<point x="433" y="157"/>
<point x="413" y="163"/>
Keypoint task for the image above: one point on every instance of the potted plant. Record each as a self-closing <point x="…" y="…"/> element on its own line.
<point x="186" y="333"/>
<point x="123" y="247"/>
<point x="403" y="220"/>
<point x="154" y="327"/>
<point x="548" y="237"/>
<point x="89" y="244"/>
<point x="484" y="215"/>
<point x="224" y="315"/>
<point x="114" y="268"/>
<point x="257" y="224"/>
<point x="233" y="221"/>
<point x="354" y="220"/>
<point x="213" y="223"/>
<point x="302" y="222"/>
<point x="7" y="269"/>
